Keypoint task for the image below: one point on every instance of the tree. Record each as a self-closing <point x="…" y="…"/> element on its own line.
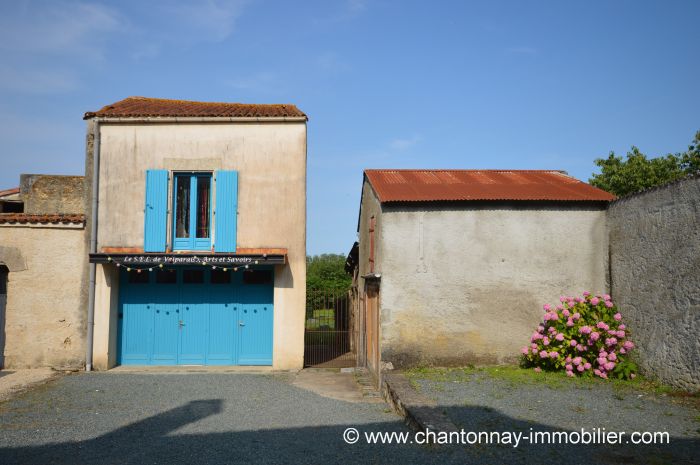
<point x="637" y="172"/>
<point x="326" y="272"/>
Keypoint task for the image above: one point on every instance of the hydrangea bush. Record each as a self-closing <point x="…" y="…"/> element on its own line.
<point x="584" y="336"/>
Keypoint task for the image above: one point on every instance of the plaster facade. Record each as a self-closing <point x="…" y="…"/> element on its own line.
<point x="46" y="294"/>
<point x="270" y="158"/>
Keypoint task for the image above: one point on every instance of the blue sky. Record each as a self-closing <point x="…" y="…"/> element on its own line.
<point x="386" y="84"/>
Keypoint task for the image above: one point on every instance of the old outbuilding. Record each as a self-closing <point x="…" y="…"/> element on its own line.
<point x="453" y="266"/>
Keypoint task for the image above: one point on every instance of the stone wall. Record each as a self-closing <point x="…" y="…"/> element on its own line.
<point x="655" y="272"/>
<point x="44" y="193"/>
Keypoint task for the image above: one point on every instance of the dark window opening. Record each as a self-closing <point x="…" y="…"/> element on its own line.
<point x="257" y="277"/>
<point x="166" y="276"/>
<point x="193" y="276"/>
<point x="220" y="277"/>
<point x="11" y="206"/>
<point x="138" y="278"/>
<point x="203" y="188"/>
<point x="182" y="213"/>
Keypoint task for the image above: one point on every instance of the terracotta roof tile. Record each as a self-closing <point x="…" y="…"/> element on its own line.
<point x="13" y="191"/>
<point x="27" y="218"/>
<point x="135" y="107"/>
<point x="469" y="185"/>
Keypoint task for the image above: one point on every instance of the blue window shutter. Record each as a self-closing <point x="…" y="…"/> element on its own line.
<point x="226" y="211"/>
<point x="155" y="231"/>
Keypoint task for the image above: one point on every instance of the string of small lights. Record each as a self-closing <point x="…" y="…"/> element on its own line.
<point x="129" y="268"/>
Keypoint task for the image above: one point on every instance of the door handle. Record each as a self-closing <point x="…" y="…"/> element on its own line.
<point x="180" y="324"/>
<point x="240" y="323"/>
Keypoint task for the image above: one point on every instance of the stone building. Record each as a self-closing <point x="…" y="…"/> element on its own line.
<point x="43" y="272"/>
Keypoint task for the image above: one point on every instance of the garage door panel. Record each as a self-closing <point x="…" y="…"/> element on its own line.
<point x="165" y="332"/>
<point x="194" y="327"/>
<point x="136" y="334"/>
<point x="222" y="328"/>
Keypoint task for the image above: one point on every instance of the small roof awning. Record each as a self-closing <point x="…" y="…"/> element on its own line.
<point x="242" y="257"/>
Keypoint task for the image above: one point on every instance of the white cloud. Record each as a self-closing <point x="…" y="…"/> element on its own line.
<point x="58" y="28"/>
<point x="405" y="143"/>
<point x="264" y="80"/>
<point x="210" y="20"/>
<point x="38" y="81"/>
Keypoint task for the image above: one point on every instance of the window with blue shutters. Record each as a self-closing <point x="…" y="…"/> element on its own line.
<point x="192" y="212"/>
<point x="156" y="211"/>
<point x="226" y="211"/>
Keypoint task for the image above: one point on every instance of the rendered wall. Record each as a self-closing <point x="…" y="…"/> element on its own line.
<point x="271" y="161"/>
<point x="655" y="270"/>
<point x="46" y="295"/>
<point x="466" y="283"/>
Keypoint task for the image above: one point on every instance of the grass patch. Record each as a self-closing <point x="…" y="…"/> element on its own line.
<point x="515" y="375"/>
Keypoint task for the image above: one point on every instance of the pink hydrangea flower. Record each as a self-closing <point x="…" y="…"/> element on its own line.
<point x="595" y="301"/>
<point x="579" y="299"/>
<point x="573" y="343"/>
<point x="553" y="354"/>
<point x="570" y="374"/>
<point x="586" y="293"/>
<point x="595" y="336"/>
<point x="568" y="359"/>
<point x="538" y="369"/>
<point x="552" y="329"/>
<point x="525" y="350"/>
<point x="602" y="325"/>
<point x="569" y="367"/>
<point x="545" y="341"/>
<point x="608" y="304"/>
<point x="617" y="316"/>
<point x="612" y="356"/>
<point x="620" y="334"/>
<point x="585" y="330"/>
<point x="580" y="348"/>
<point x="611" y="341"/>
<point x="587" y="366"/>
<point x="580" y="368"/>
<point x="559" y="337"/>
<point x="604" y="375"/>
<point x="566" y="312"/>
<point x="601" y="361"/>
<point x="576" y="316"/>
<point x="622" y="327"/>
<point x="544" y="354"/>
<point x="546" y="307"/>
<point x="577" y="360"/>
<point x="562" y="299"/>
<point x="606" y="297"/>
<point x="534" y="350"/>
<point x="609" y="366"/>
<point x="533" y="345"/>
<point x="596" y="372"/>
<point x="628" y="345"/>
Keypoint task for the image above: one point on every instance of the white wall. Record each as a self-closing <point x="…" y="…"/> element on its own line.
<point x="476" y="292"/>
<point x="271" y="161"/>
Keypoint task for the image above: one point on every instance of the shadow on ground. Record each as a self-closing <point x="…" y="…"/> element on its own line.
<point x="155" y="441"/>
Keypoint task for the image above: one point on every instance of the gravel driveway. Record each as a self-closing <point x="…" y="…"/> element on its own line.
<point x="111" y="418"/>
<point x="510" y="399"/>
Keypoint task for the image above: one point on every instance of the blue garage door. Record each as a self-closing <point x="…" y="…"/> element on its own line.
<point x="196" y="316"/>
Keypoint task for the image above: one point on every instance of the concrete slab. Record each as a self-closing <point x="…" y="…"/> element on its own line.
<point x="13" y="382"/>
<point x="182" y="369"/>
<point x="332" y="383"/>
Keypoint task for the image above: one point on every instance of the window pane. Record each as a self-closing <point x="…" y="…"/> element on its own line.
<point x="193" y="276"/>
<point x="203" y="184"/>
<point x="257" y="277"/>
<point x="220" y="277"/>
<point x="182" y="214"/>
<point x="166" y="276"/>
<point x="138" y="278"/>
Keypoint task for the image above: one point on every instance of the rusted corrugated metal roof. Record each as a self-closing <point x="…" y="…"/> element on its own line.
<point x="135" y="107"/>
<point x="469" y="185"/>
<point x="27" y="218"/>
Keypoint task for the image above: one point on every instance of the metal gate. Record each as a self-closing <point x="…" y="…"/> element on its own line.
<point x="330" y="338"/>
